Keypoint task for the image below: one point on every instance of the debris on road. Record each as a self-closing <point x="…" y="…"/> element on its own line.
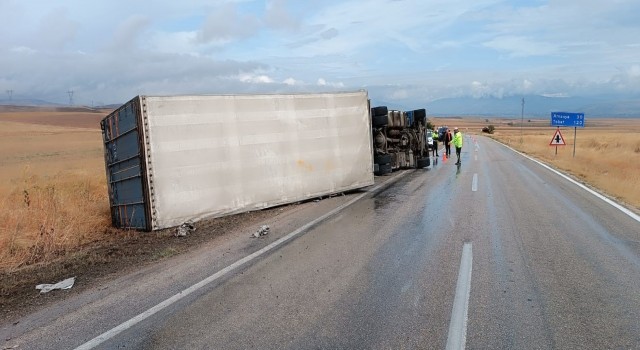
<point x="65" y="284"/>
<point x="185" y="229"/>
<point x="333" y="195"/>
<point x="263" y="230"/>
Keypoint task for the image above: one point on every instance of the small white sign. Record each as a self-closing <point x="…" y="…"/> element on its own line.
<point x="557" y="139"/>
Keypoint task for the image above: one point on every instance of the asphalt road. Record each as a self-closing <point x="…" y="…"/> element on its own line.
<point x="498" y="253"/>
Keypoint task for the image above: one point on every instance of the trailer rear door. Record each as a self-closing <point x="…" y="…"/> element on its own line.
<point x="125" y="164"/>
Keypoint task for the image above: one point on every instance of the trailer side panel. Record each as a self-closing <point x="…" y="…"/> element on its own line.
<point x="210" y="156"/>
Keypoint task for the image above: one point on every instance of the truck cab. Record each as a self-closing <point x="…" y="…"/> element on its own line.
<point x="399" y="139"/>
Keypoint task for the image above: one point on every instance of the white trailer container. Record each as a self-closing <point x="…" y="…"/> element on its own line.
<point x="171" y="159"/>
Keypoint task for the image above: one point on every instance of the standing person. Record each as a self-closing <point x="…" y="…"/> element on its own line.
<point x="457" y="142"/>
<point x="434" y="135"/>
<point x="447" y="142"/>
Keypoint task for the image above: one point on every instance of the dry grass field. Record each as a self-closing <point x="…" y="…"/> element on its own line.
<point x="53" y="195"/>
<point x="607" y="155"/>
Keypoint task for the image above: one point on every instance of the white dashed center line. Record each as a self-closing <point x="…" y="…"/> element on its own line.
<point x="457" y="338"/>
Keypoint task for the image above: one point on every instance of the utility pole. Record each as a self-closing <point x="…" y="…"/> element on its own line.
<point x="70" y="92"/>
<point x="521" y="121"/>
<point x="10" y="93"/>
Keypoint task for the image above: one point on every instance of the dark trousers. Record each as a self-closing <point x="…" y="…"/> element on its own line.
<point x="435" y="148"/>
<point x="458" y="151"/>
<point x="447" y="149"/>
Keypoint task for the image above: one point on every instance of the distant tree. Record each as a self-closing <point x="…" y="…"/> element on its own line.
<point x="486" y="120"/>
<point x="489" y="129"/>
<point x="430" y="125"/>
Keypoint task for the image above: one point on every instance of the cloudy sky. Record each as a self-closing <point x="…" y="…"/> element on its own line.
<point x="401" y="51"/>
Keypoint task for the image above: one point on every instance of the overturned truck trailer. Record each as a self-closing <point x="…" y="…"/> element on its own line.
<point x="171" y="159"/>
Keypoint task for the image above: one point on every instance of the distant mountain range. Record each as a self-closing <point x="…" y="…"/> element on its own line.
<point x="29" y="102"/>
<point x="42" y="103"/>
<point x="534" y="106"/>
<point x="510" y="106"/>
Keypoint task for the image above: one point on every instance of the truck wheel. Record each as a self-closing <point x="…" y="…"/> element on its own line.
<point x="382" y="158"/>
<point x="384" y="169"/>
<point x="378" y="121"/>
<point x="382" y="110"/>
<point x="423" y="163"/>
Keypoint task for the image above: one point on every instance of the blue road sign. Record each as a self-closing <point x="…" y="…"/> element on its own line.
<point x="567" y="119"/>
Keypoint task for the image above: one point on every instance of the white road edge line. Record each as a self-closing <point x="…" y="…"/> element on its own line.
<point x="155" y="309"/>
<point x="474" y="183"/>
<point x="597" y="194"/>
<point x="457" y="338"/>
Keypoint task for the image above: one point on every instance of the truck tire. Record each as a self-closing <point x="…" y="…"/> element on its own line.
<point x="378" y="121"/>
<point x="382" y="110"/>
<point x="384" y="169"/>
<point x="382" y="158"/>
<point x="423" y="162"/>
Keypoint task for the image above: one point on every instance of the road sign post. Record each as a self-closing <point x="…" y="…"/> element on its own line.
<point x="575" y="135"/>
<point x="576" y="120"/>
<point x="557" y="140"/>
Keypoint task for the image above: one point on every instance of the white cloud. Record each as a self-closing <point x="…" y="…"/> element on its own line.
<point x="291" y="81"/>
<point x="56" y="30"/>
<point x="24" y="50"/>
<point x="634" y="71"/>
<point x="323" y="82"/>
<point x="256" y="79"/>
<point x="399" y="94"/>
<point x="519" y="46"/>
<point x="555" y="95"/>
<point x="175" y="42"/>
<point x="278" y="17"/>
<point x="127" y="33"/>
<point x="478" y="90"/>
<point x="226" y="24"/>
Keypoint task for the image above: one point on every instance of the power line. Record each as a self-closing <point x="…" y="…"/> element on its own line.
<point x="10" y="93"/>
<point x="70" y="92"/>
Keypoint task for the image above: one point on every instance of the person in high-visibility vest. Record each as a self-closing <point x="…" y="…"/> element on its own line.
<point x="457" y="142"/>
<point x="434" y="135"/>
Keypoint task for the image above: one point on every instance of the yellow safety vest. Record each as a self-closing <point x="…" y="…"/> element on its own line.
<point x="457" y="139"/>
